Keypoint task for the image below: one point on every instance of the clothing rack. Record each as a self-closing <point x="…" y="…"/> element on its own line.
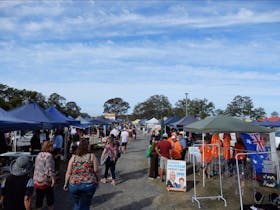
<point x="219" y="196"/>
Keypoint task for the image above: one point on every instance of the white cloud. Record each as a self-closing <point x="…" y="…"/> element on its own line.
<point x="98" y="21"/>
<point x="92" y="52"/>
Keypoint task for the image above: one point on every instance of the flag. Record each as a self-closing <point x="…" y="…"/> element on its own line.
<point x="253" y="143"/>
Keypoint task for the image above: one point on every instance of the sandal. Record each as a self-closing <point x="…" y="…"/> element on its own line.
<point x="104" y="181"/>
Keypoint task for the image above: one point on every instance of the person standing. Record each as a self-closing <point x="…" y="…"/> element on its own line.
<point x="110" y="151"/>
<point x="35" y="143"/>
<point x="153" y="172"/>
<point x="57" y="149"/>
<point x="176" y="148"/>
<point x="164" y="151"/>
<point x="44" y="176"/>
<point x="124" y="139"/>
<point x="183" y="143"/>
<point x="17" y="188"/>
<point x="81" y="177"/>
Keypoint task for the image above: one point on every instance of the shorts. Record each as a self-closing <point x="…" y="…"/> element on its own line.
<point x="124" y="144"/>
<point x="163" y="162"/>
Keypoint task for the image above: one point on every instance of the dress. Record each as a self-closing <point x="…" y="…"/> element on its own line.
<point x="153" y="172"/>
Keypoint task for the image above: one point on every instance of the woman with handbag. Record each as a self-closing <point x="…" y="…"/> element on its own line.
<point x="82" y="176"/>
<point x="109" y="157"/>
<point x="44" y="176"/>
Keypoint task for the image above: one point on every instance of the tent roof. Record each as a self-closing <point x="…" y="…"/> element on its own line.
<point x="152" y="121"/>
<point x="58" y="116"/>
<point x="171" y="120"/>
<point x="33" y="112"/>
<point x="11" y="123"/>
<point x="269" y="123"/>
<point x="223" y="123"/>
<point x="101" y="122"/>
<point x="184" y="121"/>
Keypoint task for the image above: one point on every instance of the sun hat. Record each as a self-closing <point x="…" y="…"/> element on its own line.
<point x="21" y="166"/>
<point x="165" y="135"/>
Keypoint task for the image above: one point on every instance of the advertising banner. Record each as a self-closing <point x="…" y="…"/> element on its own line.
<point x="176" y="176"/>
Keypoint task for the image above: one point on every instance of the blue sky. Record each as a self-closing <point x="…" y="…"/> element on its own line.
<point x="91" y="51"/>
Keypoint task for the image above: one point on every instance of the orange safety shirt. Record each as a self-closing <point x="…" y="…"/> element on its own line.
<point x="177" y="150"/>
<point x="227" y="139"/>
<point x="207" y="153"/>
<point x="215" y="140"/>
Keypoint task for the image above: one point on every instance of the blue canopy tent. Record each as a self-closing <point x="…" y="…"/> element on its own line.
<point x="33" y="112"/>
<point x="10" y="123"/>
<point x="101" y="122"/>
<point x="57" y="115"/>
<point x="269" y="124"/>
<point x="184" y="121"/>
<point x="73" y="121"/>
<point x="172" y="119"/>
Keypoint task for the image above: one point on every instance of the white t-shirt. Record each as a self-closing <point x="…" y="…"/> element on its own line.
<point x="124" y="136"/>
<point x="115" y="132"/>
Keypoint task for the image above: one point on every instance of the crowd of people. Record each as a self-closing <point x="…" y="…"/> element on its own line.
<point x="81" y="177"/>
<point x="174" y="146"/>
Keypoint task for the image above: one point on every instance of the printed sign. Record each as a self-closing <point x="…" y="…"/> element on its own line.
<point x="268" y="167"/>
<point x="176" y="176"/>
<point x="194" y="154"/>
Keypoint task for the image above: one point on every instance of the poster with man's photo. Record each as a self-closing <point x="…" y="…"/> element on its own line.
<point x="176" y="176"/>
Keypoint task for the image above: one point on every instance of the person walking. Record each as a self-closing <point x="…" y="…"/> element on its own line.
<point x="17" y="188"/>
<point x="81" y="177"/>
<point x="124" y="139"/>
<point x="110" y="153"/>
<point x="44" y="176"/>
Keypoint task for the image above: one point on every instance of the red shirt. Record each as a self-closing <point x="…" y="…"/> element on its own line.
<point x="164" y="148"/>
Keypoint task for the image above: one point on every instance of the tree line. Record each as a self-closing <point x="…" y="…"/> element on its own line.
<point x="11" y="98"/>
<point x="157" y="106"/>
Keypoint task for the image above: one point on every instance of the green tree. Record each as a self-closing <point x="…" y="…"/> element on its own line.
<point x="258" y="113"/>
<point x="156" y="106"/>
<point x="72" y="109"/>
<point x="242" y="106"/>
<point x="57" y="101"/>
<point x="200" y="108"/>
<point x="180" y="108"/>
<point x="116" y="105"/>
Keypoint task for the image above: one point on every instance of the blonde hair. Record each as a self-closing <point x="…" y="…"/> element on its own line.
<point x="47" y="146"/>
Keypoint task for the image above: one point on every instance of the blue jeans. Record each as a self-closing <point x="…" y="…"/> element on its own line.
<point x="82" y="195"/>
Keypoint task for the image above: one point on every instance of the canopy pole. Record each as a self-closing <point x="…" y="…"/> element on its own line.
<point x="274" y="155"/>
<point x="238" y="175"/>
